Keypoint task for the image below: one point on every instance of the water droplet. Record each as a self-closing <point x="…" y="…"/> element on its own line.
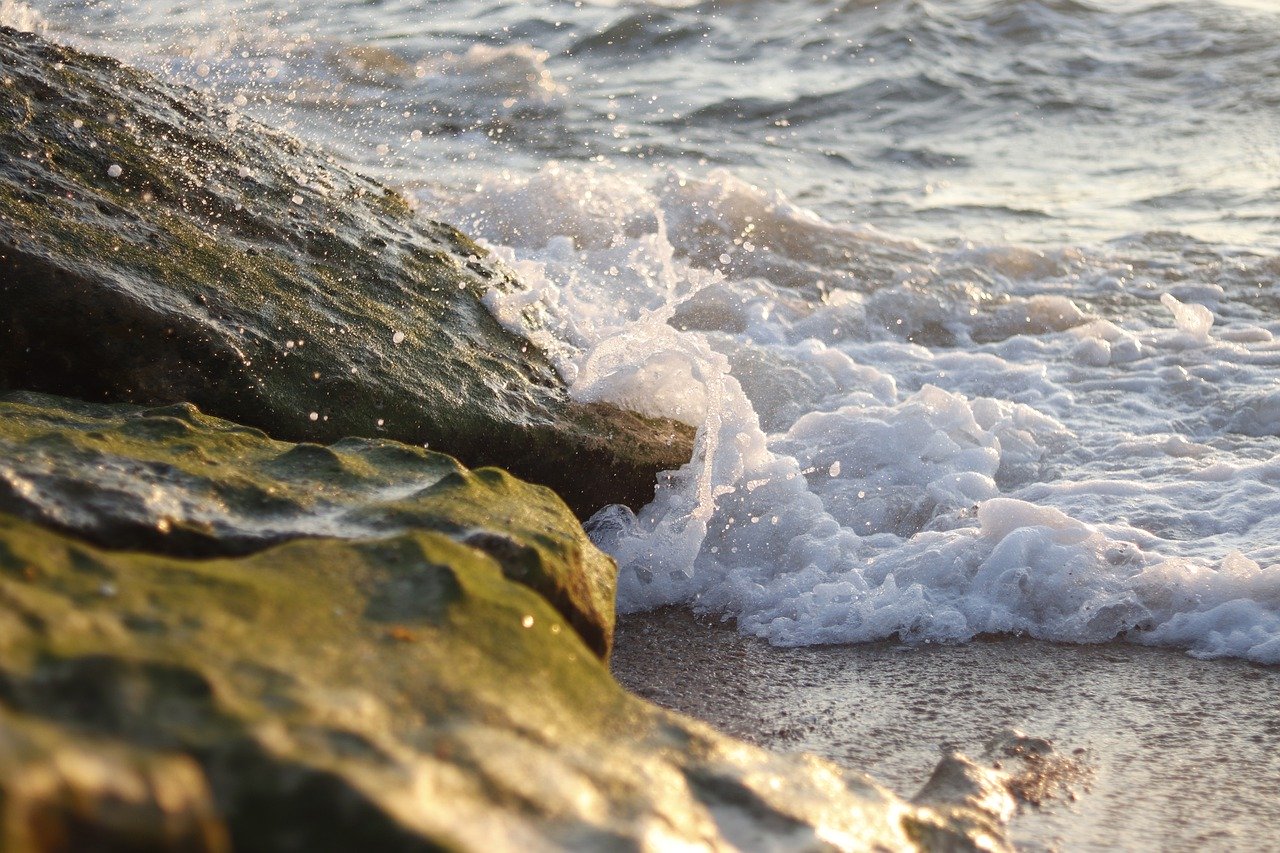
<point x="114" y="170"/>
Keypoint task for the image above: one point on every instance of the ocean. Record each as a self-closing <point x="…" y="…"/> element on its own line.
<point x="973" y="303"/>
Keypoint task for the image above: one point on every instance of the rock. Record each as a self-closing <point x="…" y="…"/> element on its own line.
<point x="62" y="791"/>
<point x="399" y="694"/>
<point x="975" y="797"/>
<point x="156" y="248"/>
<point x="174" y="481"/>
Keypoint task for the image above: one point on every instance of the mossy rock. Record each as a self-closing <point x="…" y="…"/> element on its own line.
<point x="400" y="694"/>
<point x="172" y="480"/>
<point x="155" y="249"/>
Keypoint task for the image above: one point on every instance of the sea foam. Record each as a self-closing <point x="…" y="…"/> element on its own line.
<point x="21" y="17"/>
<point x="896" y="439"/>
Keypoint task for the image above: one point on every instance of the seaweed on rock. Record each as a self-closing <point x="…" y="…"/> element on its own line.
<point x="174" y="481"/>
<point x="400" y="694"/>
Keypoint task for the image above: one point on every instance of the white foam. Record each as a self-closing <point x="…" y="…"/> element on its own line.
<point x="1193" y="321"/>
<point x="1033" y="469"/>
<point x="21" y="17"/>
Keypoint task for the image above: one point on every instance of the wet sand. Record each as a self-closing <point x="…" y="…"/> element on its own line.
<point x="1180" y="754"/>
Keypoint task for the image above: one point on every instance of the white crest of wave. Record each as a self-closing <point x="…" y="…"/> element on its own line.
<point x="826" y="501"/>
<point x="21" y="17"/>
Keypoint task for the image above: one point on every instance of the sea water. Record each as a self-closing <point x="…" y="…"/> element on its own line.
<point x="973" y="303"/>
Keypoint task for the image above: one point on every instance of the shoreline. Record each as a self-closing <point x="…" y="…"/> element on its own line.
<point x="1178" y="753"/>
<point x="288" y="623"/>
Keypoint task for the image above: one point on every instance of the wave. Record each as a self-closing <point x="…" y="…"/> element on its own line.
<point x="850" y="484"/>
<point x="21" y="17"/>
<point x="987" y="412"/>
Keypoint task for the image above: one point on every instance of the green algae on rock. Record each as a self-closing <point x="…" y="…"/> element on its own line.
<point x="172" y="480"/>
<point x="155" y="248"/>
<point x="400" y="694"/>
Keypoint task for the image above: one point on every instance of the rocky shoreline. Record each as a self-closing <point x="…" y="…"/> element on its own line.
<point x="158" y="249"/>
<point x="241" y="606"/>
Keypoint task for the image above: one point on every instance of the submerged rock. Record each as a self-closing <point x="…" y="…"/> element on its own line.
<point x="157" y="248"/>
<point x="400" y="694"/>
<point x="174" y="481"/>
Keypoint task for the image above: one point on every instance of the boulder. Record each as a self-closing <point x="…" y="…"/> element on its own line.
<point x="156" y="248"/>
<point x="397" y="694"/>
<point x="174" y="481"/>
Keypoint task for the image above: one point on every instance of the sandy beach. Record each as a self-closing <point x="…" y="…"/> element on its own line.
<point x="1178" y="753"/>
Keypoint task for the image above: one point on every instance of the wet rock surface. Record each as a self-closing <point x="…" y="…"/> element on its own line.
<point x="400" y="694"/>
<point x="174" y="481"/>
<point x="65" y="790"/>
<point x="156" y="248"/>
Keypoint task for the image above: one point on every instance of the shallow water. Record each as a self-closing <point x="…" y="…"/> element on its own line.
<point x="972" y="302"/>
